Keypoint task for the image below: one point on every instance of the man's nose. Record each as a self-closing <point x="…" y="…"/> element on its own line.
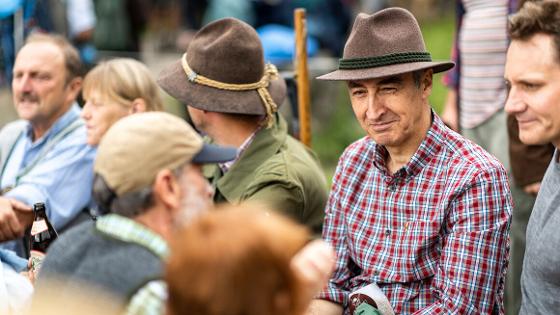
<point x="375" y="107"/>
<point x="514" y="102"/>
<point x="25" y="83"/>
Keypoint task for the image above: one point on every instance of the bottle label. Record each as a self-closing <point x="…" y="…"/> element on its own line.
<point x="36" y="260"/>
<point x="38" y="227"/>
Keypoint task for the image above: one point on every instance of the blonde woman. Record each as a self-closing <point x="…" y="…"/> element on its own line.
<point x="115" y="89"/>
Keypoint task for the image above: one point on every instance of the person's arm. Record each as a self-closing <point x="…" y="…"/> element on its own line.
<point x="475" y="248"/>
<point x="62" y="179"/>
<point x="313" y="264"/>
<point x="450" y="114"/>
<point x="324" y="307"/>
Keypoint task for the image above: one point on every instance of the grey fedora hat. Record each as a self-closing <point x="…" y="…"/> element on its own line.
<point x="386" y="43"/>
<point x="228" y="54"/>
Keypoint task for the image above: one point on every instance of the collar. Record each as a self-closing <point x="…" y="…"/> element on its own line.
<point x="429" y="147"/>
<point x="130" y="231"/>
<point x="66" y="119"/>
<point x="227" y="165"/>
<point x="266" y="143"/>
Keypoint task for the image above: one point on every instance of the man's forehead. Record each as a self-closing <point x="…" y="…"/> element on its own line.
<point x="39" y="54"/>
<point x="533" y="55"/>
<point x="397" y="78"/>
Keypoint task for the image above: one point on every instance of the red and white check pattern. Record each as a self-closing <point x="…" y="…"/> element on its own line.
<point x="434" y="235"/>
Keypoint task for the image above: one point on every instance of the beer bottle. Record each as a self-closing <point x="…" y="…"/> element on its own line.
<point x="42" y="235"/>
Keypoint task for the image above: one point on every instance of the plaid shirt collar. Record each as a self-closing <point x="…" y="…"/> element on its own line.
<point x="130" y="231"/>
<point x="430" y="146"/>
<point x="227" y="165"/>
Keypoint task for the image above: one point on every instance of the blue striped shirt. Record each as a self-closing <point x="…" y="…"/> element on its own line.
<point x="62" y="178"/>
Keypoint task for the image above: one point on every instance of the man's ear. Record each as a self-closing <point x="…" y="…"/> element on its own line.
<point x="166" y="189"/>
<point x="73" y="87"/>
<point x="427" y="83"/>
<point x="138" y="106"/>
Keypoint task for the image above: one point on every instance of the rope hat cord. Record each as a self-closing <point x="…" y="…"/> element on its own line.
<point x="270" y="73"/>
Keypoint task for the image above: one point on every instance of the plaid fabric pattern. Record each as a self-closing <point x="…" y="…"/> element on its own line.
<point x="433" y="236"/>
<point x="127" y="230"/>
<point x="150" y="299"/>
<point x="227" y="165"/>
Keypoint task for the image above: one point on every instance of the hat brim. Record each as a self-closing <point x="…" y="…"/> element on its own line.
<point x="174" y="81"/>
<point x="379" y="72"/>
<point x="214" y="154"/>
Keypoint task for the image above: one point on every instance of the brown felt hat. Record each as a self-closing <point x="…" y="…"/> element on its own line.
<point x="386" y="43"/>
<point x="228" y="51"/>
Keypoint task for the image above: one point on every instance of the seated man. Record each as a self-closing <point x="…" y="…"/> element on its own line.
<point x="148" y="174"/>
<point x="44" y="156"/>
<point x="233" y="98"/>
<point x="415" y="208"/>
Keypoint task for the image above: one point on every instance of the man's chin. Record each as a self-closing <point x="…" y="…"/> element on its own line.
<point x="25" y="112"/>
<point x="533" y="138"/>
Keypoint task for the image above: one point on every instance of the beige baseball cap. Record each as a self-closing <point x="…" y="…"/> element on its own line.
<point x="137" y="147"/>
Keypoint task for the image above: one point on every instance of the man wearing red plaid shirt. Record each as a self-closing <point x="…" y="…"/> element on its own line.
<point x="415" y="208"/>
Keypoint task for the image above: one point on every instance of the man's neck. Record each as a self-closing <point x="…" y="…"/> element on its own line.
<point x="398" y="157"/>
<point x="232" y="134"/>
<point x="401" y="154"/>
<point x="157" y="220"/>
<point x="42" y="126"/>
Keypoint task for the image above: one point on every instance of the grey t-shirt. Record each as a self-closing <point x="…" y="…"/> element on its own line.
<point x="540" y="280"/>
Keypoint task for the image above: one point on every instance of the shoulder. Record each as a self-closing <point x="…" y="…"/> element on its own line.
<point x="292" y="163"/>
<point x="465" y="165"/>
<point x="14" y="125"/>
<point x="69" y="245"/>
<point x="463" y="154"/>
<point x="357" y="153"/>
<point x="13" y="129"/>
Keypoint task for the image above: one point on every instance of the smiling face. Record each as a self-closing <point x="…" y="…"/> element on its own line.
<point x="533" y="76"/>
<point x="40" y="91"/>
<point x="393" y="110"/>
<point x="100" y="114"/>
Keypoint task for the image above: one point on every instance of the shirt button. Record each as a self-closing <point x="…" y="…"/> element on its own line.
<point x="387" y="232"/>
<point x="376" y="272"/>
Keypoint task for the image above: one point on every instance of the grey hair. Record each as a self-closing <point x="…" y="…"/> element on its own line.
<point x="417" y="76"/>
<point x="130" y="204"/>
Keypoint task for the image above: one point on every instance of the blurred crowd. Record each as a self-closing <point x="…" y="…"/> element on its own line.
<point x="227" y="213"/>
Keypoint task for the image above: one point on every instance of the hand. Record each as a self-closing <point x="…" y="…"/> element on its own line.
<point x="314" y="264"/>
<point x="450" y="114"/>
<point x="15" y="216"/>
<point x="532" y="189"/>
<point x="30" y="274"/>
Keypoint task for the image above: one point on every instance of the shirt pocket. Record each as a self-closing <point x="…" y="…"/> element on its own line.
<point x="414" y="251"/>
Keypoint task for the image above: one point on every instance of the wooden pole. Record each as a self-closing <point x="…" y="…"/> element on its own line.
<point x="302" y="77"/>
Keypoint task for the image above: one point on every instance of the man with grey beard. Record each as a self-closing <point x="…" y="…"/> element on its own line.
<point x="148" y="178"/>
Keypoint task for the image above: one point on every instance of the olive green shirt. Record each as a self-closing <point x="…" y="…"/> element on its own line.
<point x="278" y="171"/>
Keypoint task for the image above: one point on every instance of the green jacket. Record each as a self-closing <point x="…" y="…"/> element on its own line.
<point x="279" y="171"/>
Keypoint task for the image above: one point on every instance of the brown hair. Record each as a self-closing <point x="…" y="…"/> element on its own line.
<point x="536" y="17"/>
<point x="72" y="61"/>
<point x="123" y="80"/>
<point x="235" y="260"/>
